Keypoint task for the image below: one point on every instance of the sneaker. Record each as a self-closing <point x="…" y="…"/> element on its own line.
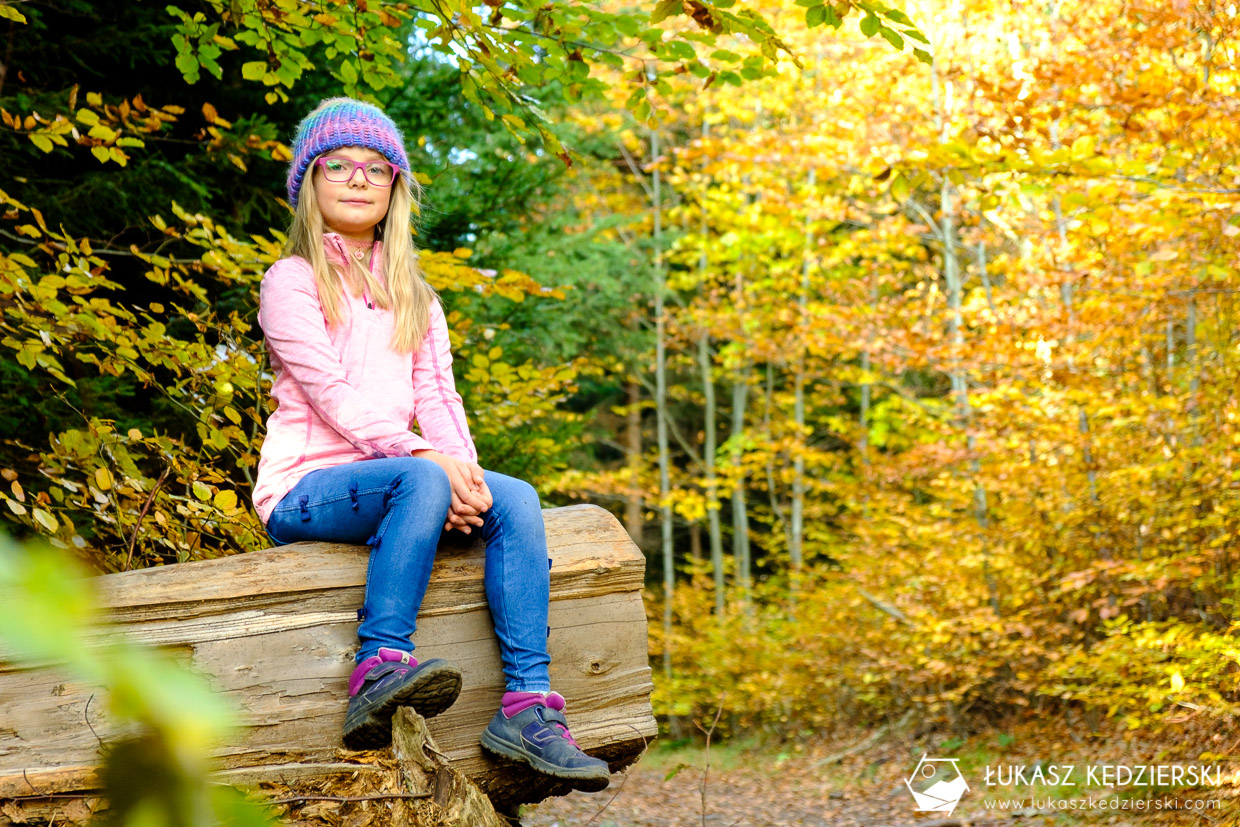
<point x="391" y="679"/>
<point x="530" y="727"/>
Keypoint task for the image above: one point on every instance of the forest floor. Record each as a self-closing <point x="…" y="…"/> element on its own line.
<point x="751" y="784"/>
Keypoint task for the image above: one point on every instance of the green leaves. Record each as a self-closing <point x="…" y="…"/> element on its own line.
<point x="348" y="74"/>
<point x="51" y="616"/>
<point x="817" y="15"/>
<point x="892" y="38"/>
<point x="872" y="23"/>
<point x="285" y="34"/>
<point x="198" y="45"/>
<point x="665" y="9"/>
<point x="254" y="69"/>
<point x="818" y="12"/>
<point x="188" y="66"/>
<point x="134" y="500"/>
<point x="49" y="603"/>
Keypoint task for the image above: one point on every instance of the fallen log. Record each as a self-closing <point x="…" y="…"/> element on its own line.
<point x="275" y="632"/>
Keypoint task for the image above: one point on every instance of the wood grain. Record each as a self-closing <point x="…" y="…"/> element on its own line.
<point x="276" y="630"/>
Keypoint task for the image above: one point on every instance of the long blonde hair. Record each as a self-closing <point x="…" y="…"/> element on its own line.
<point x="407" y="292"/>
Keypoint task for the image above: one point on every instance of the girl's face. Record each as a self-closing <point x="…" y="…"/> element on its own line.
<point x="354" y="207"/>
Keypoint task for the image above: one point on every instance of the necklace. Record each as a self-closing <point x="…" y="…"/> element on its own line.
<point x="358" y="247"/>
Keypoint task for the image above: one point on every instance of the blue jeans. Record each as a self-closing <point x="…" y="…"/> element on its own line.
<point x="397" y="506"/>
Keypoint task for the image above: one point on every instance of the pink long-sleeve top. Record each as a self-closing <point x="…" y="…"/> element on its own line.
<point x="344" y="395"/>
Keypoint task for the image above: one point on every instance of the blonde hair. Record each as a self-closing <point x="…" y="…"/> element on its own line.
<point x="406" y="293"/>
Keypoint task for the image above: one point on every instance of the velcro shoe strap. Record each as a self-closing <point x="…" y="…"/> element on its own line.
<point x="383" y="670"/>
<point x="555" y="716"/>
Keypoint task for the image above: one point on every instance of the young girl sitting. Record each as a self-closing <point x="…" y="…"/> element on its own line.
<point x="359" y="346"/>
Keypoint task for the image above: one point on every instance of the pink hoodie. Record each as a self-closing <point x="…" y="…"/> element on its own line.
<point x="344" y="395"/>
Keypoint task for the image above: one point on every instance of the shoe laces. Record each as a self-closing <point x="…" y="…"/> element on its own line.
<point x="566" y="735"/>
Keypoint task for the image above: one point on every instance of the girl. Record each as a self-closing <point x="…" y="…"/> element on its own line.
<point x="359" y="346"/>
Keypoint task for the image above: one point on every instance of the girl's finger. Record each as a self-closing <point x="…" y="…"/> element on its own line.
<point x="462" y="522"/>
<point x="459" y="480"/>
<point x="463" y="503"/>
<point x="474" y="500"/>
<point x="484" y="495"/>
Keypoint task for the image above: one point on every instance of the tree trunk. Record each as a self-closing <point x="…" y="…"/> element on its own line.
<point x="797" y="530"/>
<point x="275" y="631"/>
<point x="660" y="403"/>
<point x="959" y="378"/>
<point x="740" y="513"/>
<point x="711" y="447"/>
<point x="863" y="443"/>
<point x="633" y="518"/>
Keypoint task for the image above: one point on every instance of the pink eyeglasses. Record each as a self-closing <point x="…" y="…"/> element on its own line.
<point x="340" y="170"/>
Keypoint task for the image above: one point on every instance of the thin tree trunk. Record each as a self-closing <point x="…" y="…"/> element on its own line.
<point x="772" y="488"/>
<point x="633" y="521"/>
<point x="863" y="443"/>
<point x="740" y="513"/>
<point x="740" y="397"/>
<point x="1190" y="361"/>
<point x="1066" y="295"/>
<point x="959" y="379"/>
<point x="795" y="535"/>
<point x="711" y="447"/>
<point x="665" y="509"/>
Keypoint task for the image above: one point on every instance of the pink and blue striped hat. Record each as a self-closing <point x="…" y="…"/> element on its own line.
<point x="338" y="122"/>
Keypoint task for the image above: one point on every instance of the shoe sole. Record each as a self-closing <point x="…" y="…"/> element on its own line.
<point x="589" y="781"/>
<point x="435" y="689"/>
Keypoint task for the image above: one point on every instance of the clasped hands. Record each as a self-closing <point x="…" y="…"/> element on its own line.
<point x="470" y="494"/>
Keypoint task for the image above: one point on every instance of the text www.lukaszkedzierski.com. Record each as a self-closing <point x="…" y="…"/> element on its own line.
<point x="1140" y="804"/>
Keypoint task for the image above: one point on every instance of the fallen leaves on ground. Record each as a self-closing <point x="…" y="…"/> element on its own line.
<point x="773" y="786"/>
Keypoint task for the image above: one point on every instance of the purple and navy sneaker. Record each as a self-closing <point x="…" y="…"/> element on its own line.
<point x="391" y="679"/>
<point x="530" y="727"/>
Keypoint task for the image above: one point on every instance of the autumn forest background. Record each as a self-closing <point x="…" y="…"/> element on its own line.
<point x="904" y="341"/>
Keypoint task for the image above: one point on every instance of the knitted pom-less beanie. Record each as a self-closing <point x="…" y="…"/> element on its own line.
<point x="338" y="122"/>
